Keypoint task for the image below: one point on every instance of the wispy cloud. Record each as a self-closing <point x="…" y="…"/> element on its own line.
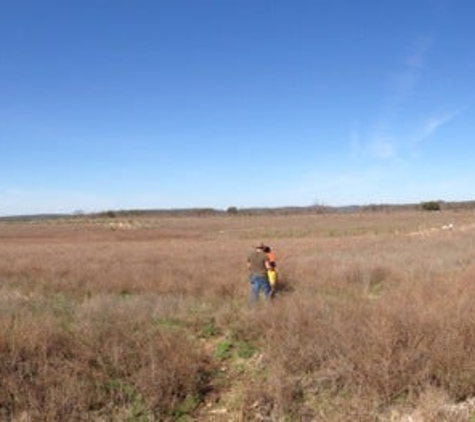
<point x="379" y="144"/>
<point x="416" y="58"/>
<point x="383" y="140"/>
<point x="404" y="82"/>
<point x="382" y="147"/>
<point x="432" y="124"/>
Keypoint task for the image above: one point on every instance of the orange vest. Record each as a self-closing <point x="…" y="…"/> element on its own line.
<point x="270" y="256"/>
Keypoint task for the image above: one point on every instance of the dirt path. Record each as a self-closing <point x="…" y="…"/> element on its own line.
<point x="235" y="367"/>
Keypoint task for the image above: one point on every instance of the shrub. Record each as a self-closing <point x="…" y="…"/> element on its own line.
<point x="232" y="211"/>
<point x="106" y="360"/>
<point x="431" y="206"/>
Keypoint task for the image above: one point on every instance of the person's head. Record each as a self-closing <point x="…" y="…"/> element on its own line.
<point x="266" y="249"/>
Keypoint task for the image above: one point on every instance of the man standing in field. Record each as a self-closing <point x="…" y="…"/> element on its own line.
<point x="258" y="265"/>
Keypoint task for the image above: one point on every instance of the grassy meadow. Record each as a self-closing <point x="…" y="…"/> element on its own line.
<point x="147" y="318"/>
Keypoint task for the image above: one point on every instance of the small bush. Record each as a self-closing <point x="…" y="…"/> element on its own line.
<point x="431" y="206"/>
<point x="232" y="211"/>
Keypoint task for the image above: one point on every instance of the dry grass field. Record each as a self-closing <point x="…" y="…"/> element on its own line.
<point x="148" y="319"/>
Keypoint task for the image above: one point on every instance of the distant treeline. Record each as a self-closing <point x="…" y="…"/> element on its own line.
<point x="233" y="211"/>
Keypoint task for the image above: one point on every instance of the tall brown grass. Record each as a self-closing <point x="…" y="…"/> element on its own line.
<point x="102" y="321"/>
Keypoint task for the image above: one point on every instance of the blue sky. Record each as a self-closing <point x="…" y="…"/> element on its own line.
<point x="136" y="104"/>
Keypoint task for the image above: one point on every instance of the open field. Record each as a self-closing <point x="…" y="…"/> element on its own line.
<point x="147" y="319"/>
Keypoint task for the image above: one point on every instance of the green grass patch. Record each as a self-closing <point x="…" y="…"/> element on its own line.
<point x="209" y="328"/>
<point x="223" y="349"/>
<point x="244" y="349"/>
<point x="186" y="407"/>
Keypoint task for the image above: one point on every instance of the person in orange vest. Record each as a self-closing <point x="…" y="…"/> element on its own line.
<point x="271" y="270"/>
<point x="258" y="266"/>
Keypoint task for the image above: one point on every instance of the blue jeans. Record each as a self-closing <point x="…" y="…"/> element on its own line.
<point x="259" y="282"/>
